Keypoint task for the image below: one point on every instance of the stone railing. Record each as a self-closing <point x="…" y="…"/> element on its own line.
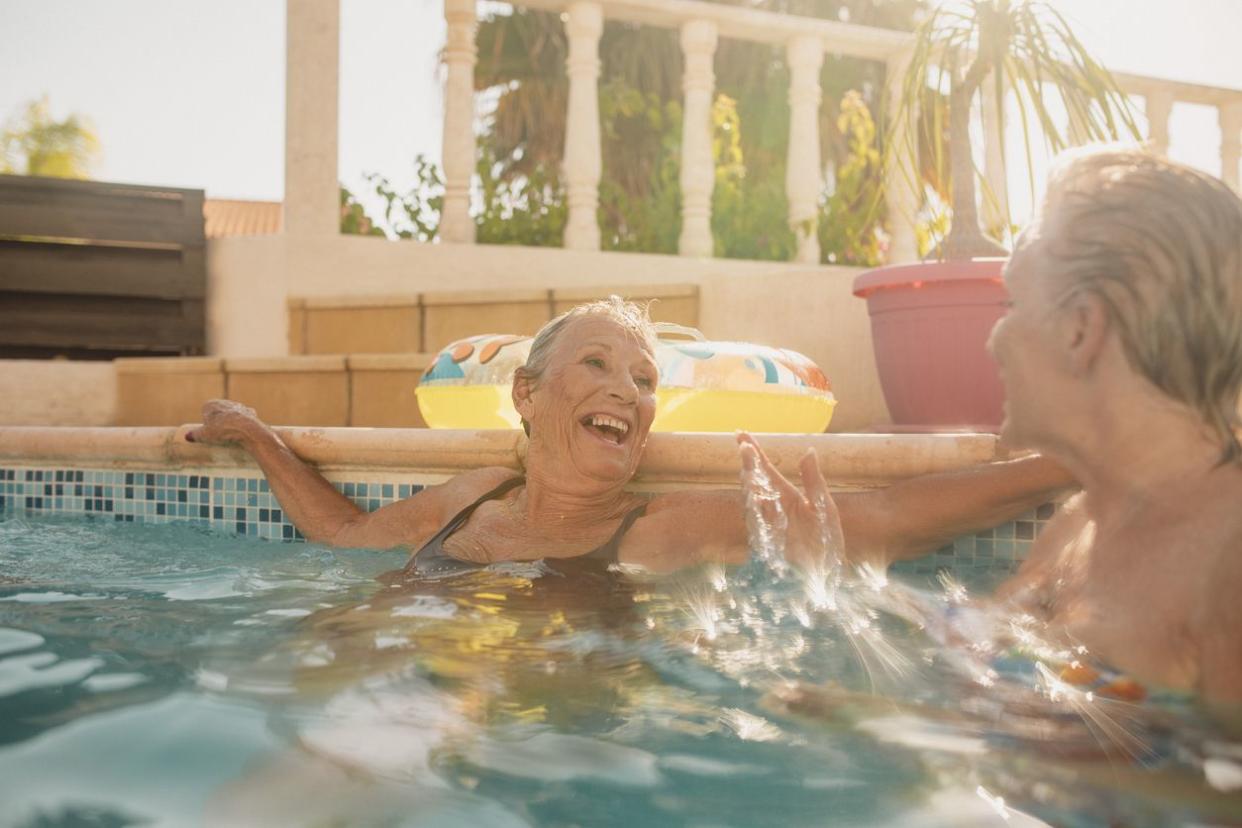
<point x="806" y="40"/>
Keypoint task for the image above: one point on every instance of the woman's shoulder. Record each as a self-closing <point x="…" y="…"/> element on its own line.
<point x="687" y="527"/>
<point x="473" y="484"/>
<point x="692" y="502"/>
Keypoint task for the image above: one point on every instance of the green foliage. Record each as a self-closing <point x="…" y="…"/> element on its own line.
<point x="522" y="62"/>
<point x="35" y="143"/>
<point x="848" y="230"/>
<point x="640" y="191"/>
<point x="529" y="209"/>
<point x="414" y="214"/>
<point x="748" y="208"/>
<point x="354" y="219"/>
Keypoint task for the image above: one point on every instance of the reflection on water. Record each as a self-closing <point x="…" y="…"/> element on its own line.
<point x="169" y="675"/>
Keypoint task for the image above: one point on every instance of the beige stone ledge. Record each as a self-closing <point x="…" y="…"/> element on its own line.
<point x="169" y="365"/>
<point x="334" y="302"/>
<point x="389" y="362"/>
<point x="654" y="291"/>
<point x="483" y="297"/>
<point x="671" y="459"/>
<point x="264" y="365"/>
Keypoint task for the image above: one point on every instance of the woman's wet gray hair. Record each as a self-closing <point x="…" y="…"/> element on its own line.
<point x="631" y="316"/>
<point x="1161" y="244"/>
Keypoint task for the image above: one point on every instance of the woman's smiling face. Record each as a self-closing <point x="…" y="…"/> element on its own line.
<point x="592" y="408"/>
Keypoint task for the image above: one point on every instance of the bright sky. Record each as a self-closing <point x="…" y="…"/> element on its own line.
<point x="190" y="93"/>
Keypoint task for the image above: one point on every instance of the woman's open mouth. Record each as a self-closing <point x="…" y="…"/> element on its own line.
<point x="611" y="430"/>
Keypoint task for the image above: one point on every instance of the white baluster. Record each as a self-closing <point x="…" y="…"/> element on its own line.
<point x="698" y="172"/>
<point x="1158" y="104"/>
<point x="312" y="204"/>
<point x="1230" y="143"/>
<point x="803" y="179"/>
<point x="584" y="25"/>
<point x="458" y="150"/>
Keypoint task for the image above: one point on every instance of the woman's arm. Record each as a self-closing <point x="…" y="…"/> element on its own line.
<point x="905" y="520"/>
<point x="315" y="507"/>
<point x="916" y="516"/>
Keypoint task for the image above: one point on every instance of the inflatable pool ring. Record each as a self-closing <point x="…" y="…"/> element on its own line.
<point x="704" y="386"/>
<point x="727" y="386"/>
<point x="468" y="384"/>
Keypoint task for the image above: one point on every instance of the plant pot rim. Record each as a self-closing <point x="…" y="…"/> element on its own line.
<point x="917" y="274"/>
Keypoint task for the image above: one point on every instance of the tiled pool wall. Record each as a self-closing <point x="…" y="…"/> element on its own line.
<point x="243" y="504"/>
<point x="233" y="503"/>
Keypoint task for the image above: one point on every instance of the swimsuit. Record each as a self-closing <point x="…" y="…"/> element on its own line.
<point x="431" y="559"/>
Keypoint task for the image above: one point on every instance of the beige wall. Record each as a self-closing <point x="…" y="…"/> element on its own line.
<point x="246" y="297"/>
<point x="57" y="393"/>
<point x="809" y="309"/>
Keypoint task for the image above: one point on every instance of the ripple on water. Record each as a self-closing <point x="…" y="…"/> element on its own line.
<point x="20" y="673"/>
<point x="12" y="641"/>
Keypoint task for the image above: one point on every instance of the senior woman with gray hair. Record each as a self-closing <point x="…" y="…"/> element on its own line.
<point x="586" y="396"/>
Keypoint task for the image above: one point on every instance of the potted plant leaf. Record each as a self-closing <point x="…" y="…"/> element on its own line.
<point x="930" y="320"/>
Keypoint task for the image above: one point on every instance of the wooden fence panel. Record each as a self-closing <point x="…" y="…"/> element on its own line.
<point x="92" y="265"/>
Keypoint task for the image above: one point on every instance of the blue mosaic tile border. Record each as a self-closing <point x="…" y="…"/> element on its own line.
<point x="245" y="505"/>
<point x="242" y="505"/>
<point x="1003" y="547"/>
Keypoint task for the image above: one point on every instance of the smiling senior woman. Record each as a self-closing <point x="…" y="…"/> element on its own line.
<point x="586" y="396"/>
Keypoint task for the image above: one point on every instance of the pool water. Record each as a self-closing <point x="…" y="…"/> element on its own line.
<point x="168" y="675"/>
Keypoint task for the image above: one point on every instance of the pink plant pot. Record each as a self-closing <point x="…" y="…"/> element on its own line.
<point x="930" y="324"/>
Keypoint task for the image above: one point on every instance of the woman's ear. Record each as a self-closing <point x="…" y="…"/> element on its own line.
<point x="523" y="387"/>
<point x="1087" y="325"/>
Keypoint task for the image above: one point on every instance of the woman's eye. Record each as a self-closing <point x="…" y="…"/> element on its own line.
<point x="644" y="382"/>
<point x="594" y="362"/>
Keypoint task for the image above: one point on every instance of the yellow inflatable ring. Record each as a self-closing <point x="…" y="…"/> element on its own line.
<point x="704" y="386"/>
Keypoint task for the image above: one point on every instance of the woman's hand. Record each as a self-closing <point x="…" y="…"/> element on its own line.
<point x="812" y="526"/>
<point x="225" y="421"/>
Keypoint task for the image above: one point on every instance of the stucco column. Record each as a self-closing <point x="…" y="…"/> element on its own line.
<point x="1159" y="106"/>
<point x="457" y="152"/>
<point x="312" y="203"/>
<point x="996" y="199"/>
<point x="584" y="24"/>
<point x="1230" y="144"/>
<point x="698" y="172"/>
<point x="803" y="177"/>
<point x="901" y="189"/>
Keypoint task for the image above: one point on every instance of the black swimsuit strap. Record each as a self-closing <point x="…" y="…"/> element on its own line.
<point x="434" y="548"/>
<point x="610" y="552"/>
<point x="432" y="557"/>
<point x="464" y="515"/>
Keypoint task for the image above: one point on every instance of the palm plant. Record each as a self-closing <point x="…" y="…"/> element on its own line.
<point x="998" y="47"/>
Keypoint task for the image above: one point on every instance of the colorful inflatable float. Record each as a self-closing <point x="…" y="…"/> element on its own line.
<point x="704" y="385"/>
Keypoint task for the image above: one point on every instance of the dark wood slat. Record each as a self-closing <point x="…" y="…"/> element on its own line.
<point x="99" y="210"/>
<point x="101" y="330"/>
<point x="137" y="284"/>
<point x="73" y="185"/>
<point x="94" y="269"/>
<point x="96" y="225"/>
<point x="143" y="203"/>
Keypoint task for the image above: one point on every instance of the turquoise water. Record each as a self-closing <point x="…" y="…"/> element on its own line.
<point x="166" y="675"/>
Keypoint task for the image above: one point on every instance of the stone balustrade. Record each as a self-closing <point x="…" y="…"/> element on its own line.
<point x="311" y="174"/>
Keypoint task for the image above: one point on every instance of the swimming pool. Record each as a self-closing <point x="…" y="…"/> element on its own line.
<point x="166" y="665"/>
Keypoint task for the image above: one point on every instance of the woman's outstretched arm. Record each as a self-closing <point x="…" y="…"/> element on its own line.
<point x="918" y="515"/>
<point x="315" y="507"/>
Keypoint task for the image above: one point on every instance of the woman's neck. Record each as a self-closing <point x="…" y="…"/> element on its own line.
<point x="1129" y="465"/>
<point x="551" y="500"/>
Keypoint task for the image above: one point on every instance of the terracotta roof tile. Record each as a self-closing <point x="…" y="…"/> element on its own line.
<point x="230" y="217"/>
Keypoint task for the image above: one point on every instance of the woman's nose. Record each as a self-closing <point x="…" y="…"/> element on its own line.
<point x="623" y="388"/>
